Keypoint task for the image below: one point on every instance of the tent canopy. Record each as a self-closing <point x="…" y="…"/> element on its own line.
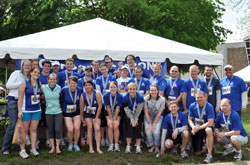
<point x="244" y="74"/>
<point x="93" y="39"/>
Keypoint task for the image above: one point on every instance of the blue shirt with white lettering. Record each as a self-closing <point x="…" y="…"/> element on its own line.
<point x="160" y="81"/>
<point x="144" y="86"/>
<point x="100" y="83"/>
<point x="176" y="88"/>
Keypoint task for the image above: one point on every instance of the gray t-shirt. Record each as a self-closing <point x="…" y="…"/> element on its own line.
<point x="154" y="106"/>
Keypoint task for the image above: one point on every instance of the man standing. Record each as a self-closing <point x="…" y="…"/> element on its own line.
<point x="96" y="69"/>
<point x="87" y="76"/>
<point x="157" y="79"/>
<point x="229" y="130"/>
<point x="201" y="120"/>
<point x="191" y="86"/>
<point x="234" y="88"/>
<point x="214" y="89"/>
<point x="173" y="87"/>
<point x="109" y="61"/>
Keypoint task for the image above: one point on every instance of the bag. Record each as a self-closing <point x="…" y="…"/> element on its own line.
<point x="19" y="134"/>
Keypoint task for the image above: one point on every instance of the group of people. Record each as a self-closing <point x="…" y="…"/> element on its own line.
<point x="102" y="97"/>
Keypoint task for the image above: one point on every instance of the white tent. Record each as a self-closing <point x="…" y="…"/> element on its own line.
<point x="93" y="39"/>
<point x="244" y="74"/>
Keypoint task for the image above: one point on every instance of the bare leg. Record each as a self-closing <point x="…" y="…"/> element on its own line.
<point x="90" y="134"/>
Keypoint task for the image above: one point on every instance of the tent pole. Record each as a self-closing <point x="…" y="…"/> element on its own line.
<point x="6" y="77"/>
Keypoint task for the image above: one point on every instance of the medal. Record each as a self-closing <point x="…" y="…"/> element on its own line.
<point x="35" y="91"/>
<point x="201" y="114"/>
<point x="35" y="99"/>
<point x="172" y="92"/>
<point x="174" y="125"/>
<point x="67" y="78"/>
<point x="105" y="83"/>
<point x="134" y="105"/>
<point x="172" y="85"/>
<point x="196" y="85"/>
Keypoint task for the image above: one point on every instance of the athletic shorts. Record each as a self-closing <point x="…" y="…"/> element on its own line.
<point x="242" y="139"/>
<point x="178" y="139"/>
<point x="71" y="115"/>
<point x="197" y="140"/>
<point x="28" y="116"/>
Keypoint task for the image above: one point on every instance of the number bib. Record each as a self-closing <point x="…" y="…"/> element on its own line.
<point x="193" y="91"/>
<point x="71" y="109"/>
<point x="171" y="98"/>
<point x="91" y="110"/>
<point x="122" y="91"/>
<point x="199" y="122"/>
<point x="210" y="90"/>
<point x="35" y="99"/>
<point x="226" y="90"/>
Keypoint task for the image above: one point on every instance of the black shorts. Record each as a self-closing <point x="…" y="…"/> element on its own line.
<point x="88" y="115"/>
<point x="106" y="113"/>
<point x="103" y="119"/>
<point x="132" y="132"/>
<point x="197" y="140"/>
<point x="42" y="122"/>
<point x="178" y="139"/>
<point x="71" y="115"/>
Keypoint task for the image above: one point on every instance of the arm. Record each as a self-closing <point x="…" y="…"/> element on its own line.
<point x="138" y="111"/>
<point x="128" y="111"/>
<point x="209" y="123"/>
<point x="99" y="102"/>
<point x="184" y="101"/>
<point x="13" y="82"/>
<point x="82" y="109"/>
<point x="183" y="128"/>
<point x="244" y="101"/>
<point x="21" y="91"/>
<point x="218" y="99"/>
<point x="179" y="98"/>
<point x="117" y="110"/>
<point x="109" y="112"/>
<point x="163" y="138"/>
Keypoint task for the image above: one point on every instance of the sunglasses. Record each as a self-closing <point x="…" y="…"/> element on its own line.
<point x="107" y="62"/>
<point x="228" y="69"/>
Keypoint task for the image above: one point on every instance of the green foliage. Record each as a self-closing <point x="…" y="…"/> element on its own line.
<point x="188" y="21"/>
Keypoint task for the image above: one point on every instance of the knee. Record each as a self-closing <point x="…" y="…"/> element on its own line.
<point x="234" y="140"/>
<point x="70" y="130"/>
<point x="97" y="129"/>
<point x="185" y="134"/>
<point x="110" y="125"/>
<point x="76" y="129"/>
<point x="33" y="130"/>
<point x="209" y="131"/>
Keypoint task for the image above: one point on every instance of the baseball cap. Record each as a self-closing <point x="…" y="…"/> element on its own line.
<point x="55" y="63"/>
<point x="228" y="66"/>
<point x="88" y="68"/>
<point x="124" y="67"/>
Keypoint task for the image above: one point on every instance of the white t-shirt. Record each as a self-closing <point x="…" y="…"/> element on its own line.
<point x="123" y="85"/>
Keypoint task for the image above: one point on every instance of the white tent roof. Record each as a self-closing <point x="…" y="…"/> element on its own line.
<point x="93" y="39"/>
<point x="244" y="74"/>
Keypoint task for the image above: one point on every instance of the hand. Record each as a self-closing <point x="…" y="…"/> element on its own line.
<point x="150" y="127"/>
<point x="84" y="123"/>
<point x="79" y="67"/>
<point x="175" y="134"/>
<point x="217" y="110"/>
<point x="20" y="115"/>
<point x="186" y="111"/>
<point x="221" y="134"/>
<point x="162" y="150"/>
<point x="195" y="129"/>
<point x="243" y="110"/>
<point x="153" y="128"/>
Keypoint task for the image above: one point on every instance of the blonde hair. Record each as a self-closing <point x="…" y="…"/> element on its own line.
<point x="131" y="85"/>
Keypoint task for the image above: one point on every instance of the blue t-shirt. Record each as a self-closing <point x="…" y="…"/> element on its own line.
<point x="187" y="87"/>
<point x="99" y="82"/>
<point x="182" y="121"/>
<point x="144" y="86"/>
<point x="67" y="100"/>
<point x="118" y="102"/>
<point x="131" y="73"/>
<point x="94" y="101"/>
<point x="43" y="79"/>
<point x="81" y="82"/>
<point x="137" y="100"/>
<point x="237" y="86"/>
<point x="176" y="88"/>
<point x="111" y="71"/>
<point x="214" y="86"/>
<point x="31" y="102"/>
<point x="160" y="81"/>
<point x="208" y="114"/>
<point x="234" y="122"/>
<point x="62" y="77"/>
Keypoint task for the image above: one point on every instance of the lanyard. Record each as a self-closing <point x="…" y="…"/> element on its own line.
<point x="73" y="99"/>
<point x="226" y="121"/>
<point x="35" y="90"/>
<point x="153" y="103"/>
<point x="210" y="81"/>
<point x="230" y="81"/>
<point x="90" y="101"/>
<point x="105" y="83"/>
<point x="202" y="111"/>
<point x="197" y="83"/>
<point x="172" y="86"/>
<point x="66" y="75"/>
<point x="131" y="73"/>
<point x="138" y="85"/>
<point x="112" y="104"/>
<point x="155" y="79"/>
<point x="172" y="121"/>
<point x="134" y="105"/>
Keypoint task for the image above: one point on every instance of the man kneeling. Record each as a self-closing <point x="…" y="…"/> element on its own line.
<point x="201" y="120"/>
<point x="229" y="130"/>
<point x="176" y="123"/>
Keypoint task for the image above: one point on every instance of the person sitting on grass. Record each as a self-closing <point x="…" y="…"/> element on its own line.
<point x="175" y="130"/>
<point x="201" y="121"/>
<point x="229" y="130"/>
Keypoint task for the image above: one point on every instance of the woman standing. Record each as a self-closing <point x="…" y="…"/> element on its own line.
<point x="91" y="105"/>
<point x="29" y="109"/>
<point x="133" y="105"/>
<point x="113" y="103"/>
<point x="15" y="80"/>
<point x="153" y="107"/>
<point x="71" y="111"/>
<point x="53" y="113"/>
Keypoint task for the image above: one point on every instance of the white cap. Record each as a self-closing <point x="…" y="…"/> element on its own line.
<point x="55" y="63"/>
<point x="124" y="67"/>
<point x="228" y="66"/>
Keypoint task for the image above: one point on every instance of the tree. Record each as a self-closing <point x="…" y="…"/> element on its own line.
<point x="188" y="21"/>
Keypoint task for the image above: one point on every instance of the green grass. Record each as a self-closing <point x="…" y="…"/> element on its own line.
<point x="84" y="157"/>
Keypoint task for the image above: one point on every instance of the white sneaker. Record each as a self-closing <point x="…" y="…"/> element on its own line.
<point x="34" y="152"/>
<point x="238" y="155"/>
<point x="102" y="142"/>
<point x="107" y="142"/>
<point x="138" y="150"/>
<point x="111" y="146"/>
<point x="228" y="151"/>
<point x="208" y="159"/>
<point x="23" y="154"/>
<point x="117" y="148"/>
<point x="48" y="143"/>
<point x="128" y="150"/>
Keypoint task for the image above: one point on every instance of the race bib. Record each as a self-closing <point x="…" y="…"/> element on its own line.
<point x="193" y="91"/>
<point x="171" y="98"/>
<point x="122" y="91"/>
<point x="91" y="110"/>
<point x="210" y="90"/>
<point x="226" y="90"/>
<point x="71" y="109"/>
<point x="35" y="99"/>
<point x="199" y="122"/>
